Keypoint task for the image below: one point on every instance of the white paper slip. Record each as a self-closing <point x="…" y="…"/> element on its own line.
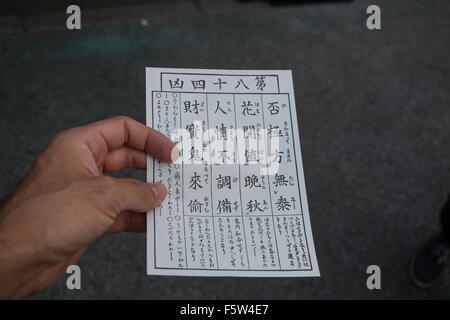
<point x="236" y="203"/>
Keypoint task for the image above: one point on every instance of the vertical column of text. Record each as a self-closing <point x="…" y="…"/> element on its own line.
<point x="170" y="233"/>
<point x="257" y="211"/>
<point x="199" y="225"/>
<point x="227" y="207"/>
<point x="283" y="182"/>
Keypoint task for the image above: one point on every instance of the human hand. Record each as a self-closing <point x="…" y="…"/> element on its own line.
<point x="65" y="202"/>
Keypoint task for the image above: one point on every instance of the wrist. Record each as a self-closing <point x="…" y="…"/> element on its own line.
<point x="18" y="264"/>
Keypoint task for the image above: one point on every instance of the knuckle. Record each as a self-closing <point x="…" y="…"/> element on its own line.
<point x="57" y="137"/>
<point x="121" y="118"/>
<point x="64" y="138"/>
<point x="63" y="135"/>
<point x="106" y="188"/>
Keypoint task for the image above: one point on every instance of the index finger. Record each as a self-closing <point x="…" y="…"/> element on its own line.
<point x="122" y="131"/>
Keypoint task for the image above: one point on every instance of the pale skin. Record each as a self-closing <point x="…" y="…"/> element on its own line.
<point x="65" y="202"/>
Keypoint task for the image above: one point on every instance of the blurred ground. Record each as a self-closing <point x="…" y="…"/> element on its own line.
<point x="373" y="109"/>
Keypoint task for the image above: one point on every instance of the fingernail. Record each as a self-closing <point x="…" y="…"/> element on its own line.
<point x="175" y="154"/>
<point x="159" y="190"/>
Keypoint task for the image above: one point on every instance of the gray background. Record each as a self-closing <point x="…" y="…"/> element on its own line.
<point x="373" y="108"/>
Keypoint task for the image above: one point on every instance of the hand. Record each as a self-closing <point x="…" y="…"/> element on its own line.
<point x="64" y="202"/>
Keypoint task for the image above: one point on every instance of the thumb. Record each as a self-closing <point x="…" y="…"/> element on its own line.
<point x="134" y="195"/>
